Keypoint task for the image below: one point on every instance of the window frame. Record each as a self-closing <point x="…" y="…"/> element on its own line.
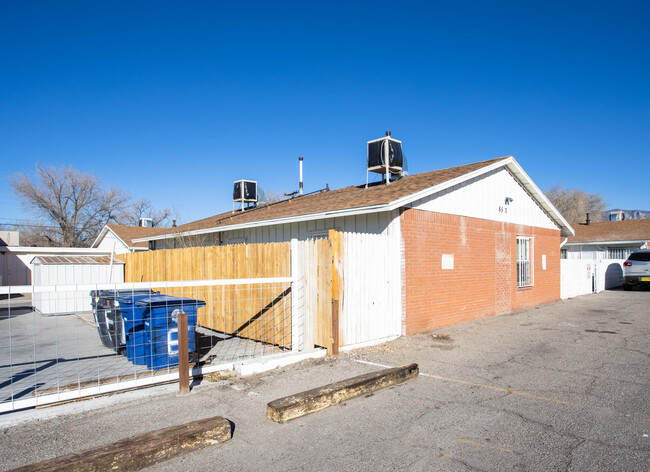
<point x="524" y="261"/>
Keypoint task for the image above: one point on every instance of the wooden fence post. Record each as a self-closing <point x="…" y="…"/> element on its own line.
<point x="337" y="287"/>
<point x="297" y="318"/>
<point x="183" y="355"/>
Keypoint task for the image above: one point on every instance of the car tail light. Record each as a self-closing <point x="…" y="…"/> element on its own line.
<point x="627" y="264"/>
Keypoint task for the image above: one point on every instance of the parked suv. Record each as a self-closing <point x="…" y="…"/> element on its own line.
<point x="636" y="269"/>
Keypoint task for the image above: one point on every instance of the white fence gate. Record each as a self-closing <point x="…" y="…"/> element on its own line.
<point x="582" y="276"/>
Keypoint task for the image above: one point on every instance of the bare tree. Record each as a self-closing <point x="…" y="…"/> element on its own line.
<point x="144" y="209"/>
<point x="575" y="204"/>
<point x="271" y="196"/>
<point x="73" y="203"/>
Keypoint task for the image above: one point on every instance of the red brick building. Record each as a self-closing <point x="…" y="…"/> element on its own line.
<point x="428" y="250"/>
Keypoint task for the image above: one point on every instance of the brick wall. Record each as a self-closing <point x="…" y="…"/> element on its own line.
<point x="483" y="281"/>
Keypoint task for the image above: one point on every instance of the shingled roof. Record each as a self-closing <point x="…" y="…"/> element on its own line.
<point x="606" y="231"/>
<point x="351" y="198"/>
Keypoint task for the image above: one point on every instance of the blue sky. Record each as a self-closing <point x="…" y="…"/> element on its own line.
<point x="173" y="101"/>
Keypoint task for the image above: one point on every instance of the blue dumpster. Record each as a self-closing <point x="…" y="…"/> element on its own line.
<point x="151" y="327"/>
<point x="108" y="315"/>
<point x="134" y="312"/>
<point x="161" y="328"/>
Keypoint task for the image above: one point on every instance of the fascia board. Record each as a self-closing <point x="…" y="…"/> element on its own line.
<point x="102" y="235"/>
<point x="600" y="243"/>
<point x="549" y="208"/>
<point x="56" y="250"/>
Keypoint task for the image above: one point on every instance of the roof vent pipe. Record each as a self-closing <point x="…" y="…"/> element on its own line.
<point x="388" y="133"/>
<point x="300" y="159"/>
<point x="588" y="220"/>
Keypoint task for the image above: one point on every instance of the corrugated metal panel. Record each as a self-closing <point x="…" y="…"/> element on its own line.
<point x="485" y="197"/>
<point x="75" y="260"/>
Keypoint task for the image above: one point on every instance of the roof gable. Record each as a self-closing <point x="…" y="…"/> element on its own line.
<point x="127" y="234"/>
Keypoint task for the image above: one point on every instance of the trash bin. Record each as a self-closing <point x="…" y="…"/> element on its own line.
<point x="108" y="315"/>
<point x="134" y="310"/>
<point x="151" y="328"/>
<point x="161" y="328"/>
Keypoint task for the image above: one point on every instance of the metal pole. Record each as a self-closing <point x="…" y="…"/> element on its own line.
<point x="183" y="355"/>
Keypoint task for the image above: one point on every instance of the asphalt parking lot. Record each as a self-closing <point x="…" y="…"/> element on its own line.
<point x="558" y="387"/>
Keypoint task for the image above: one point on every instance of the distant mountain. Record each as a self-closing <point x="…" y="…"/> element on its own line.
<point x="618" y="214"/>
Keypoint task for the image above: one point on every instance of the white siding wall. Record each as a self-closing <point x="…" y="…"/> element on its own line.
<point x="372" y="305"/>
<point x="107" y="244"/>
<point x="484" y="197"/>
<point x="54" y="303"/>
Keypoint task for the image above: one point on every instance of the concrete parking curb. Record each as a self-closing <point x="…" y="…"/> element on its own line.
<point x="141" y="451"/>
<point x="301" y="404"/>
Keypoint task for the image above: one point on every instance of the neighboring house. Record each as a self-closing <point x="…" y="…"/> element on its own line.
<point x="592" y="259"/>
<point x="426" y="251"/>
<point x="119" y="238"/>
<point x="9" y="238"/>
<point x="607" y="240"/>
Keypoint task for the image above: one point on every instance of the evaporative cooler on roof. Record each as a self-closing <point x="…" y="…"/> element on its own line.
<point x="244" y="191"/>
<point x="385" y="156"/>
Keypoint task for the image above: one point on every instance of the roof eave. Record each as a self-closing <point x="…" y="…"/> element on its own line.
<point x="514" y="167"/>
<point x="275" y="221"/>
<point x="509" y="162"/>
<point x="598" y="243"/>
<point x="102" y="235"/>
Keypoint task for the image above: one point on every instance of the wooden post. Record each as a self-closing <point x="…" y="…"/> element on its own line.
<point x="183" y="355"/>
<point x="337" y="288"/>
<point x="335" y="328"/>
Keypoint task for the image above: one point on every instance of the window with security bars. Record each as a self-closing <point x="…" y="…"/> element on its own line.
<point x="619" y="252"/>
<point x="524" y="259"/>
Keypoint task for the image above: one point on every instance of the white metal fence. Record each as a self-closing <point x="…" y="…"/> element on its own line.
<point x="115" y="343"/>
<point x="582" y="276"/>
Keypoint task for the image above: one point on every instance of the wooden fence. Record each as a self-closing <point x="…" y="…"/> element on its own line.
<point x="261" y="312"/>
